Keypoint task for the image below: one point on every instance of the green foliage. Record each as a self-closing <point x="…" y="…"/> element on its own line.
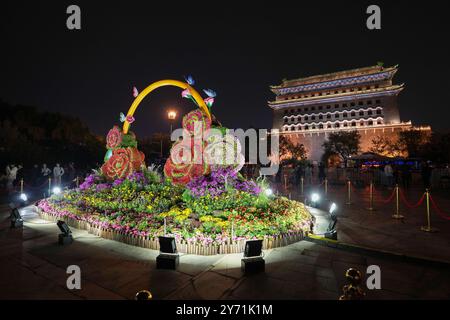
<point x="129" y="140"/>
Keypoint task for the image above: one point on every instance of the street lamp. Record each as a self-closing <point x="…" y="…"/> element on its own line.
<point x="171" y="115"/>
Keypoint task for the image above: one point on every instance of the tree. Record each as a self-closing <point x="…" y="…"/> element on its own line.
<point x="413" y="142"/>
<point x="291" y="151"/>
<point x="342" y="143"/>
<point x="385" y="146"/>
<point x="437" y="149"/>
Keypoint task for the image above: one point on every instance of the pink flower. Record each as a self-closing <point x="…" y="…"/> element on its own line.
<point x="186" y="93"/>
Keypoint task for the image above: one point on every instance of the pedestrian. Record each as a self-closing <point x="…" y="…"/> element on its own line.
<point x="45" y="173"/>
<point x="426" y="174"/>
<point x="34" y="175"/>
<point x="389" y="174"/>
<point x="406" y="176"/>
<point x="322" y="174"/>
<point x="308" y="173"/>
<point x="11" y="177"/>
<point x="58" y="172"/>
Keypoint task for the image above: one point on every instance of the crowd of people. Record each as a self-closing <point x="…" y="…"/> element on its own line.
<point x="37" y="176"/>
<point x="388" y="175"/>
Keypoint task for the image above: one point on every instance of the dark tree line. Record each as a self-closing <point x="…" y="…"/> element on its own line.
<point x="29" y="136"/>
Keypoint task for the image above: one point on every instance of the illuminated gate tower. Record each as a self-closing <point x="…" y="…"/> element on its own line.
<point x="364" y="99"/>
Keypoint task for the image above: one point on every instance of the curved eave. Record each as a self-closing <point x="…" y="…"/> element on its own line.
<point x="391" y="71"/>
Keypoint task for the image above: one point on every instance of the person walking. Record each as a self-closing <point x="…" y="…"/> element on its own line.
<point x="389" y="173"/>
<point x="426" y="174"/>
<point x="45" y="172"/>
<point x="308" y="173"/>
<point x="11" y="177"/>
<point x="322" y="174"/>
<point x="58" y="172"/>
<point x="406" y="176"/>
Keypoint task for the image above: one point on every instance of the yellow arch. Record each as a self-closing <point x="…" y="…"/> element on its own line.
<point x="162" y="83"/>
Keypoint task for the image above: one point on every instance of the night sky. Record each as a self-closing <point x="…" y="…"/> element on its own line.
<point x="237" y="51"/>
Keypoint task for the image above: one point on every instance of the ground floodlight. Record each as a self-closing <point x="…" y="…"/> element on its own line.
<point x="23" y="197"/>
<point x="66" y="236"/>
<point x="253" y="248"/>
<point x="333" y="208"/>
<point x="167" y="245"/>
<point x="268" y="192"/>
<point x="16" y="218"/>
<point x="315" y="197"/>
<point x="168" y="258"/>
<point x="56" y="190"/>
<point x="253" y="262"/>
<point x="63" y="227"/>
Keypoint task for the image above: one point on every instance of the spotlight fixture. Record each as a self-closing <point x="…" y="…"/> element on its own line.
<point x="331" y="232"/>
<point x="314" y="199"/>
<point x="23" y="197"/>
<point x="168" y="257"/>
<point x="253" y="261"/>
<point x="56" y="190"/>
<point x="167" y="245"/>
<point x="65" y="237"/>
<point x="16" y="218"/>
<point x="253" y="248"/>
<point x="333" y="208"/>
<point x="268" y="192"/>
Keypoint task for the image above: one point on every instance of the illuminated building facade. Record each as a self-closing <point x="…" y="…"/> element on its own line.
<point x="363" y="99"/>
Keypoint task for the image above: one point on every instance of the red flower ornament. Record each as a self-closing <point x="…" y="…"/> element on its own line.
<point x="114" y="138"/>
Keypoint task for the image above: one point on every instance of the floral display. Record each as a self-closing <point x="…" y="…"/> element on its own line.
<point x="122" y="163"/>
<point x="114" y="138"/>
<point x="201" y="198"/>
<point x="196" y="123"/>
<point x="211" y="209"/>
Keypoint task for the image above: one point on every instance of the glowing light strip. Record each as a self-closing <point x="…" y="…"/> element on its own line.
<point x="332" y="112"/>
<point x="155" y="85"/>
<point x="331" y="122"/>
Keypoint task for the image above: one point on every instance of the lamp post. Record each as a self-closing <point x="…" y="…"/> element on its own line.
<point x="171" y="115"/>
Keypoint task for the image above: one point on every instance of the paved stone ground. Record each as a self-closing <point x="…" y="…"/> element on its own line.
<point x="33" y="266"/>
<point x="376" y="229"/>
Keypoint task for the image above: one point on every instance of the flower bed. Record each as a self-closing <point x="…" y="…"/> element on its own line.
<point x="212" y="214"/>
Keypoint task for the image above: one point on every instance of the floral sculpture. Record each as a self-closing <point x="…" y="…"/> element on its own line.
<point x="123" y="158"/>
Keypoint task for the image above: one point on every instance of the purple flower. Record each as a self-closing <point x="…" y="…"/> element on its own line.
<point x="102" y="186"/>
<point x="88" y="182"/>
<point x="117" y="182"/>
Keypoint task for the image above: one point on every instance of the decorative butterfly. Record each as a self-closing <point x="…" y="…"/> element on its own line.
<point x="210" y="93"/>
<point x="135" y="92"/>
<point x="189" y="80"/>
<point x="129" y="119"/>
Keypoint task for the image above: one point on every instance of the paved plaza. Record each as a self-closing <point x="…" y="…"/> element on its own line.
<point x="34" y="266"/>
